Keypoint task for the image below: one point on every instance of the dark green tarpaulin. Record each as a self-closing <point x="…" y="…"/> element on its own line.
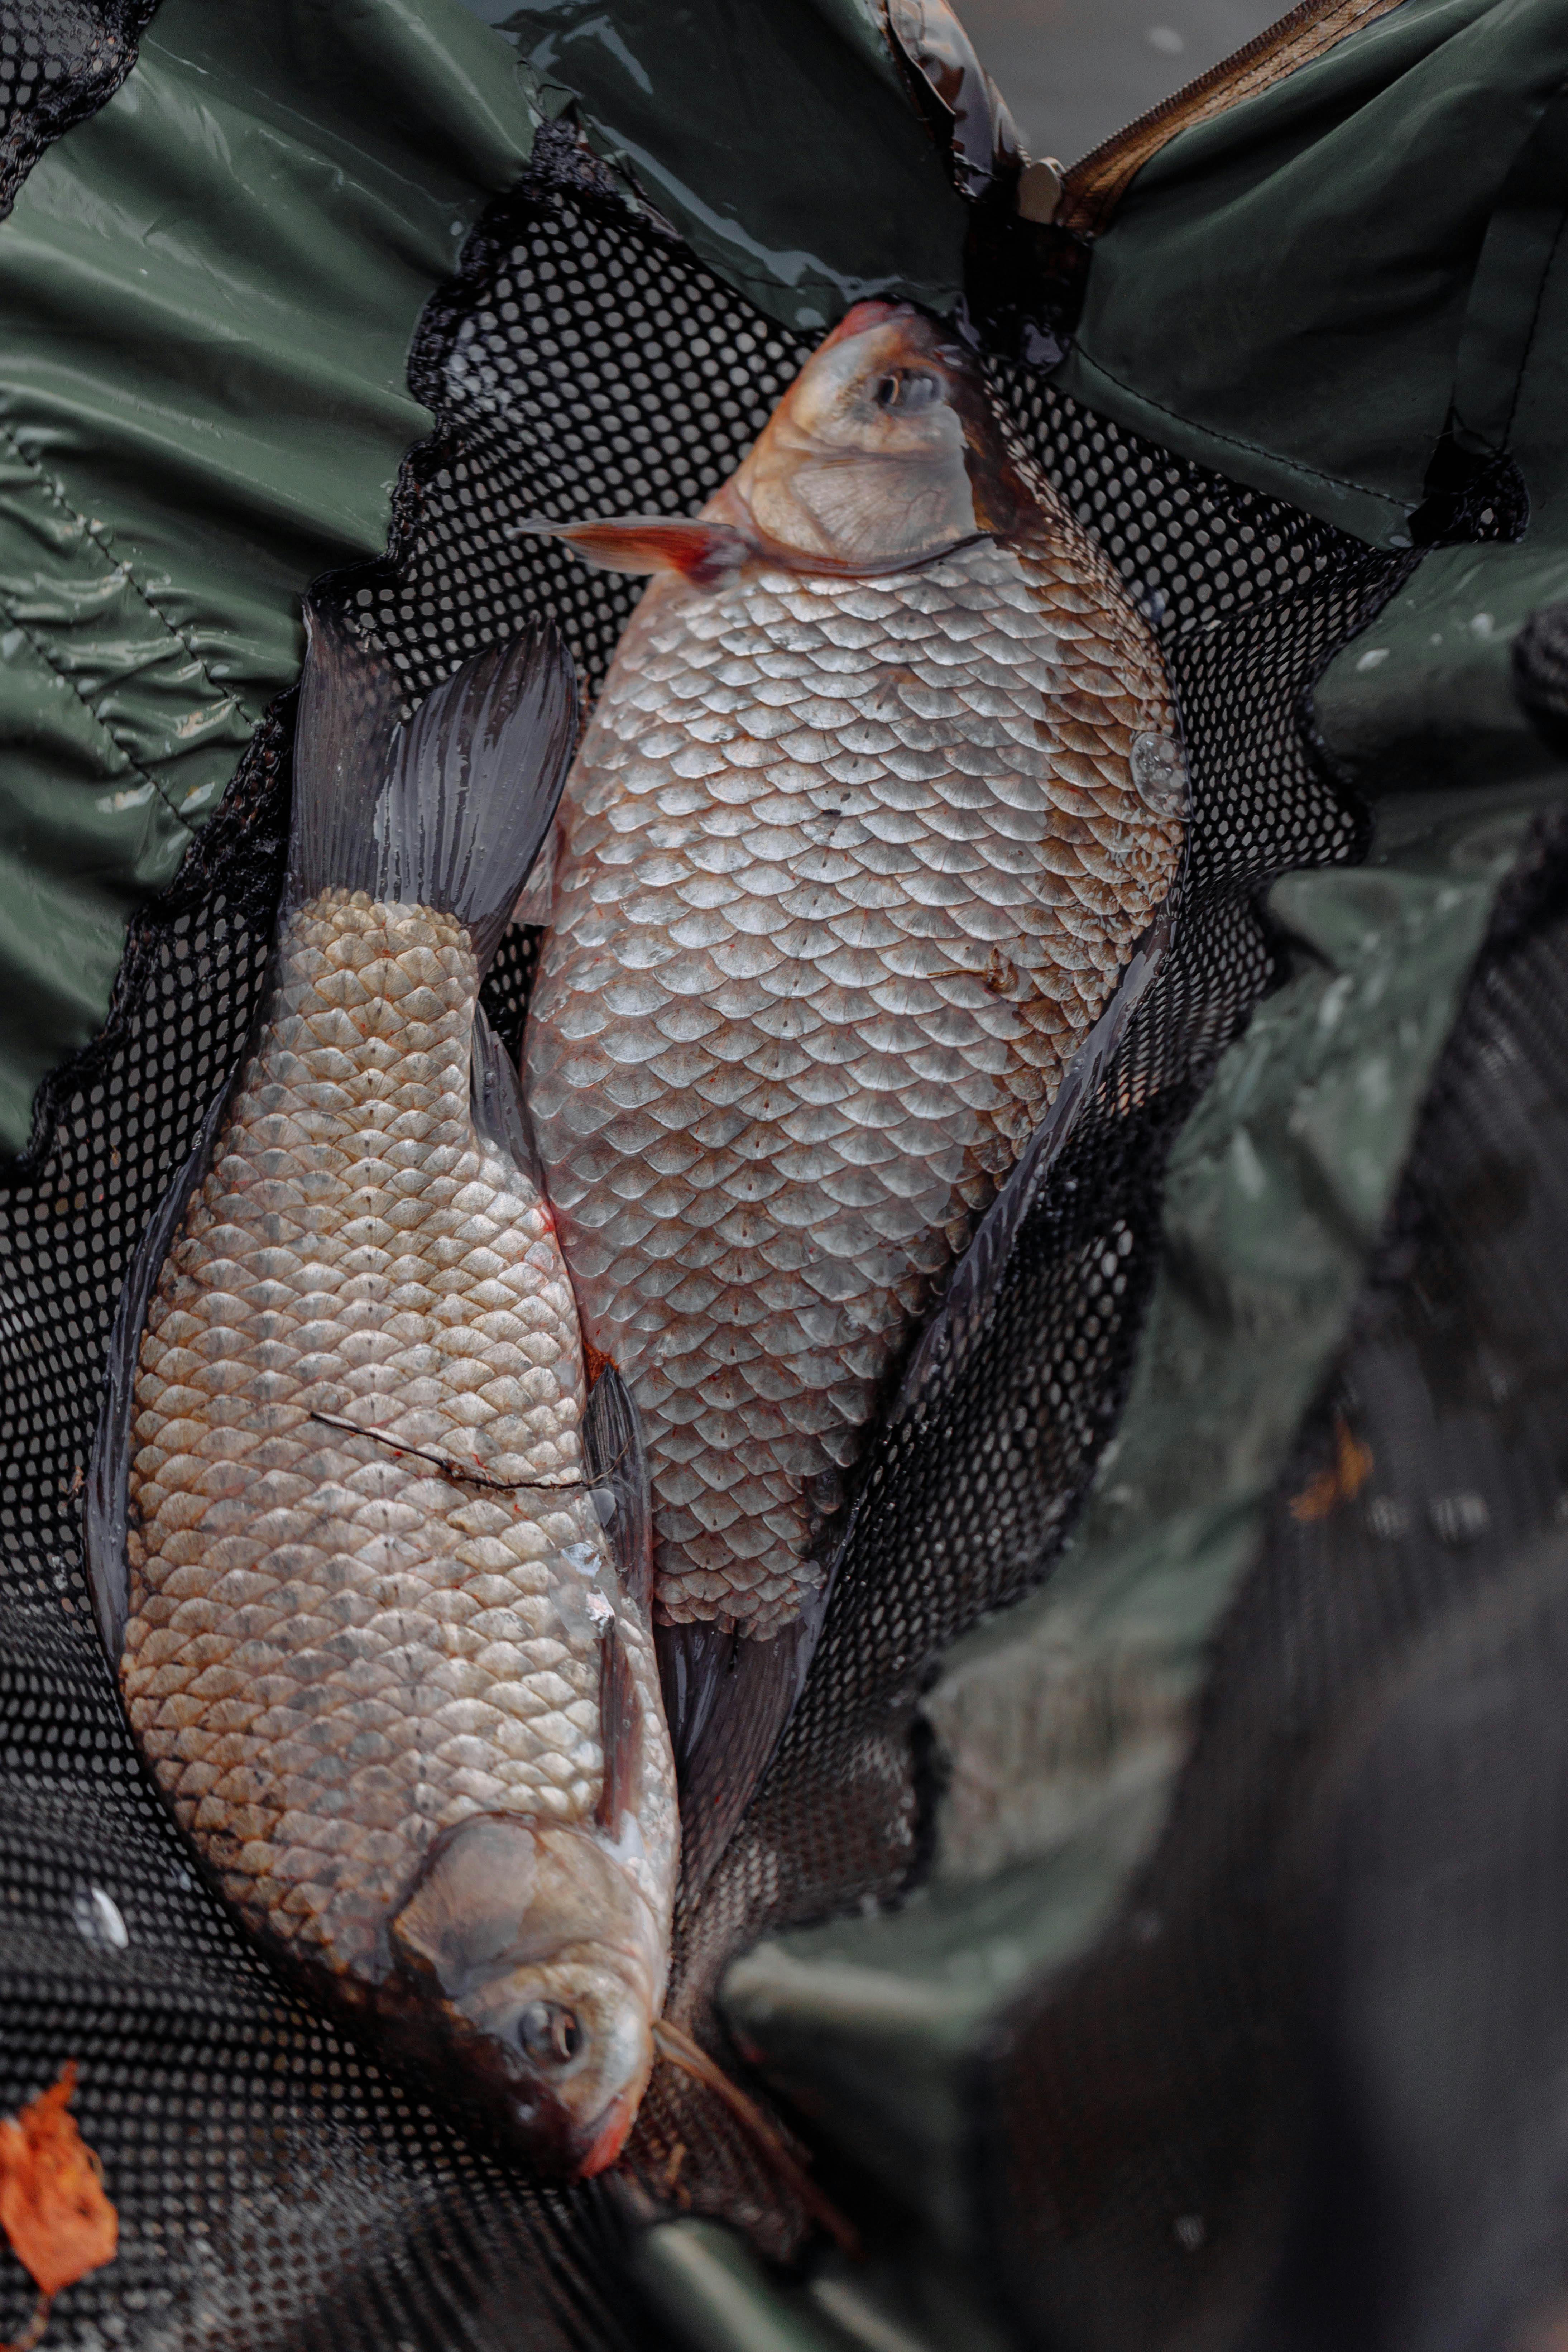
<point x="715" y="108"/>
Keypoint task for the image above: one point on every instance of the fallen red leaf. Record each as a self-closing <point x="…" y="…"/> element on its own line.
<point x="53" y="2208"/>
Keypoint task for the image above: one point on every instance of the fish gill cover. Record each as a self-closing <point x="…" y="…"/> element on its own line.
<point x="272" y="2185"/>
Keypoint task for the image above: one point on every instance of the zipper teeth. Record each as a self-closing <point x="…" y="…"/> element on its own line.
<point x="1272" y="36"/>
<point x="1094" y="185"/>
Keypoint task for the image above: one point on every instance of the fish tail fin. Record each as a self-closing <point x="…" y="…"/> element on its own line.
<point x="350" y="708"/>
<point x="446" y="808"/>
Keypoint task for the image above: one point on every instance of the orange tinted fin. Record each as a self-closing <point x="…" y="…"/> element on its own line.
<point x="709" y="554"/>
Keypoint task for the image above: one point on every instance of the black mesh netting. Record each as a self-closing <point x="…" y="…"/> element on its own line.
<point x="1334" y="2022"/>
<point x="60" y="60"/>
<point x="274" y="2187"/>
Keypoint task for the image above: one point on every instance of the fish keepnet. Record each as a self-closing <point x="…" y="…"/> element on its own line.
<point x="274" y="2187"/>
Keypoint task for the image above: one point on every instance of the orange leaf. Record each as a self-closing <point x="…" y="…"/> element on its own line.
<point x="1352" y="1466"/>
<point x="53" y="2208"/>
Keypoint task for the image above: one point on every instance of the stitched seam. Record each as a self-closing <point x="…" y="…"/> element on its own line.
<point x="225" y="694"/>
<point x="41" y="647"/>
<point x="1235" y="441"/>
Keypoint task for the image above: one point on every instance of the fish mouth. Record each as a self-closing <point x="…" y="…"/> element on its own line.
<point x="606" y="2135"/>
<point x="526" y="2121"/>
<point x="936" y="346"/>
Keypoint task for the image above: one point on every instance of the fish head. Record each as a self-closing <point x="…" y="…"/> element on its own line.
<point x="528" y="1972"/>
<point x="884" y="452"/>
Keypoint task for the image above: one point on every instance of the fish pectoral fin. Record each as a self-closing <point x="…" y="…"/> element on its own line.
<point x="709" y="554"/>
<point x="620" y="1729"/>
<point x="612" y="1441"/>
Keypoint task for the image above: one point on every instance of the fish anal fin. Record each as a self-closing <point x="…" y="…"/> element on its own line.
<point x="709" y="554"/>
<point x="620" y="1729"/>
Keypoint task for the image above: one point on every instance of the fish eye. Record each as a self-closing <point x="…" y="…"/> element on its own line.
<point x="549" y="2034"/>
<point x="907" y="388"/>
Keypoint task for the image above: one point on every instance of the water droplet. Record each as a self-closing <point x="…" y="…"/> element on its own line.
<point x="1159" y="773"/>
<point x="98" y="1921"/>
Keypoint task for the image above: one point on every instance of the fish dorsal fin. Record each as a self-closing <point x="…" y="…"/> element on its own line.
<point x="612" y="1441"/>
<point x="107" y="1516"/>
<point x="709" y="554"/>
<point x="620" y="1729"/>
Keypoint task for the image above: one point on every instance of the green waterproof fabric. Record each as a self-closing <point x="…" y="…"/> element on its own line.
<point x="208" y="293"/>
<point x="1429" y="696"/>
<point x="1289" y="293"/>
<point x="713" y="2294"/>
<point x="778" y="140"/>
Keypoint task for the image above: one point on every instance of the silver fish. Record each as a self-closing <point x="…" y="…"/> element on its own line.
<point x="394" y="1677"/>
<point x="883" y="787"/>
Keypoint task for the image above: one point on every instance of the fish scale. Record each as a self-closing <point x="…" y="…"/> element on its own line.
<point x="847" y="869"/>
<point x="335" y="1652"/>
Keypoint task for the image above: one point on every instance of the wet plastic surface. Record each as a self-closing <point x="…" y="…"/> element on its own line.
<point x="209" y="290"/>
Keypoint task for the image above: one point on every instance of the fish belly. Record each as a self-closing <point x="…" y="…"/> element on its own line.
<point x="847" y="869"/>
<point x="336" y="1649"/>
